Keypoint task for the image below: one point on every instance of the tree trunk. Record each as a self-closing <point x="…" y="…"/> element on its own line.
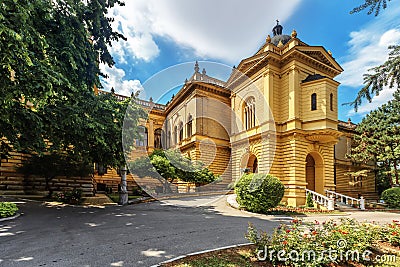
<point x="395" y="171"/>
<point x="389" y="174"/>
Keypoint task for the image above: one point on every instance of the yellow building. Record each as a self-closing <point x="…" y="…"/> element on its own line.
<point x="277" y="113"/>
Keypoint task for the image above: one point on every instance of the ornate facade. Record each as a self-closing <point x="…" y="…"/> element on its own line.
<point x="277" y="113"/>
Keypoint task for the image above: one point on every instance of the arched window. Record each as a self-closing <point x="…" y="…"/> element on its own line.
<point x="331" y="101"/>
<point x="142" y="141"/>
<point x="157" y="138"/>
<point x="180" y="132"/>
<point x="314" y="101"/>
<point x="249" y="113"/>
<point x="189" y="127"/>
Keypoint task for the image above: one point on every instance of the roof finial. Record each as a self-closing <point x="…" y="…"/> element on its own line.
<point x="277" y="30"/>
<point x="204" y="71"/>
<point x="196" y="67"/>
<point x="268" y="40"/>
<point x="294" y="33"/>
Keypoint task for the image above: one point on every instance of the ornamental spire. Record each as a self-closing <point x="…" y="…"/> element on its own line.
<point x="277" y="30"/>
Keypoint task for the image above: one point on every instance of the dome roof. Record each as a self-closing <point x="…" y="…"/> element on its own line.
<point x="283" y="38"/>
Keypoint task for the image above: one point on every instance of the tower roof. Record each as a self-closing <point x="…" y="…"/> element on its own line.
<point x="278" y="36"/>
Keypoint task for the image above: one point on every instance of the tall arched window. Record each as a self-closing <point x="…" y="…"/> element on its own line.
<point x="314" y="101"/>
<point x="180" y="131"/>
<point x="142" y="141"/>
<point x="249" y="113"/>
<point x="189" y="127"/>
<point x="331" y="101"/>
<point x="157" y="138"/>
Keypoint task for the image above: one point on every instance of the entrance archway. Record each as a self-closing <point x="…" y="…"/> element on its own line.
<point x="250" y="162"/>
<point x="315" y="172"/>
<point x="310" y="172"/>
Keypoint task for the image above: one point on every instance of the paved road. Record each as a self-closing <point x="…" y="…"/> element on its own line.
<point x="135" y="235"/>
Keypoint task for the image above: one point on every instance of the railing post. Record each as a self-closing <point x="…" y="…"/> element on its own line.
<point x="331" y="204"/>
<point x="362" y="203"/>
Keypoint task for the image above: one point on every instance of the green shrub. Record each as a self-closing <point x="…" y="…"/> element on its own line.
<point x="391" y="196"/>
<point x="7" y="209"/>
<point x="69" y="197"/>
<point x="259" y="192"/>
<point x="309" y="201"/>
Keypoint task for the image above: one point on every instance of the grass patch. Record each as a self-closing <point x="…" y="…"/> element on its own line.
<point x="244" y="257"/>
<point x="7" y="209"/>
<point x="235" y="257"/>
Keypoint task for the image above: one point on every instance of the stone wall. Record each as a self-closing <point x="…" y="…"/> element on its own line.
<point x="14" y="183"/>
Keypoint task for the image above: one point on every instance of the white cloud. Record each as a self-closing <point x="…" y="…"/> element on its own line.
<point x="215" y="29"/>
<point x="368" y="48"/>
<point x="116" y="81"/>
<point x="378" y="100"/>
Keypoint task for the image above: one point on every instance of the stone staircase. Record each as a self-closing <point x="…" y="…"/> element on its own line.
<point x="345" y="208"/>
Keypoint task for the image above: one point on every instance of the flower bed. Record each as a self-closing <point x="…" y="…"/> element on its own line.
<point x="286" y="210"/>
<point x="69" y="197"/>
<point x="337" y="242"/>
<point x="326" y="243"/>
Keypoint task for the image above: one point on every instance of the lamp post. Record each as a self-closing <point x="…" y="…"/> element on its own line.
<point x="123" y="194"/>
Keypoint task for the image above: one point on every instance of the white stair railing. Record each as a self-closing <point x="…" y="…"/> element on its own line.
<point x="321" y="199"/>
<point x="347" y="200"/>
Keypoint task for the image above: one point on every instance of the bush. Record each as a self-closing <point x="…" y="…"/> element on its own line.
<point x="259" y="192"/>
<point x="309" y="201"/>
<point x="391" y="196"/>
<point x="7" y="209"/>
<point x="69" y="197"/>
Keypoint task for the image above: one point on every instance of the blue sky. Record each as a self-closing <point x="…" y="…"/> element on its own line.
<point x="165" y="33"/>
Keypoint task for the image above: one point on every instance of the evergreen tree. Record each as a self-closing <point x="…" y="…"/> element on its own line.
<point x="384" y="75"/>
<point x="377" y="138"/>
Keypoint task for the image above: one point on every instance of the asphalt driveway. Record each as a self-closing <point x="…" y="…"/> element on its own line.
<point x="135" y="235"/>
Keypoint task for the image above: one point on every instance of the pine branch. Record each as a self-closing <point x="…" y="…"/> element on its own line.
<point x="373" y="5"/>
<point x="385" y="75"/>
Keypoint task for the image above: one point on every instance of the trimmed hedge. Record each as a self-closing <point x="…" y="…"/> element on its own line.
<point x="259" y="192"/>
<point x="7" y="209"/>
<point x="391" y="196"/>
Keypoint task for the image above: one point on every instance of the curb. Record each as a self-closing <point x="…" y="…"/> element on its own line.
<point x="10" y="218"/>
<point x="199" y="252"/>
<point x="178" y="196"/>
<point x="231" y="200"/>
